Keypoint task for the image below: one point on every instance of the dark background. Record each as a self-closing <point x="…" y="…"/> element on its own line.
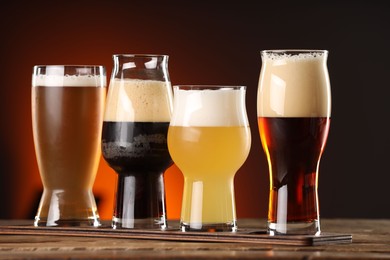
<point x="212" y="43"/>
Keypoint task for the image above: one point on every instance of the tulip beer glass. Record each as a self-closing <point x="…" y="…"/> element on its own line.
<point x="293" y="107"/>
<point x="209" y="140"/>
<point x="134" y="138"/>
<point x="67" y="116"/>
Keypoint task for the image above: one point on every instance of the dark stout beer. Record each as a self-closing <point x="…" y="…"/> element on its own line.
<point x="134" y="144"/>
<point x="138" y="149"/>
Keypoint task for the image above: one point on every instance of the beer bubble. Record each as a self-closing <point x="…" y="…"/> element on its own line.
<point x="294" y="85"/>
<point x="134" y="100"/>
<point x="68" y="81"/>
<point x="137" y="148"/>
<point x="274" y="56"/>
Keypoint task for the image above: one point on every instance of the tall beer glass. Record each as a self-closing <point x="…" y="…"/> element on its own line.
<point x="67" y="115"/>
<point x="209" y="140"/>
<point x="293" y="107"/>
<point x="134" y="138"/>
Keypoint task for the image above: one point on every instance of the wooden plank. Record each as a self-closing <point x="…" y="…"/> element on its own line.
<point x="247" y="235"/>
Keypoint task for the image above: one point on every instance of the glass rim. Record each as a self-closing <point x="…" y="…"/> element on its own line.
<point x="139" y="55"/>
<point x="70" y="70"/>
<point x="293" y="51"/>
<point x="69" y="66"/>
<point x="207" y="87"/>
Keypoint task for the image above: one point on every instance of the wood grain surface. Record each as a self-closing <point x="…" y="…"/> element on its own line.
<point x="371" y="240"/>
<point x="247" y="235"/>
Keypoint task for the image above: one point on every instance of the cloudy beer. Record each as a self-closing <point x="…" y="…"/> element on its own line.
<point x="209" y="140"/>
<point x="294" y="106"/>
<point x="67" y="112"/>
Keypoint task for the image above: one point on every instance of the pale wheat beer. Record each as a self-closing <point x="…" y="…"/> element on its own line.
<point x="134" y="139"/>
<point x="67" y="115"/>
<point x="293" y="107"/>
<point x="209" y="140"/>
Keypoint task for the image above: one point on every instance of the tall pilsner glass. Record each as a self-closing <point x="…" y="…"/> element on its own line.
<point x="67" y="116"/>
<point x="293" y="107"/>
<point x="209" y="140"/>
<point x="134" y="138"/>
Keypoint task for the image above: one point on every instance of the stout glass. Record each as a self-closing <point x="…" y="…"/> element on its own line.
<point x="293" y="107"/>
<point x="209" y="140"/>
<point x="134" y="138"/>
<point x="67" y="115"/>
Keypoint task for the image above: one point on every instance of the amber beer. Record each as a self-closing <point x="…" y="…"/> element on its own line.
<point x="294" y="118"/>
<point x="134" y="144"/>
<point x="209" y="140"/>
<point x="67" y="113"/>
<point x="295" y="151"/>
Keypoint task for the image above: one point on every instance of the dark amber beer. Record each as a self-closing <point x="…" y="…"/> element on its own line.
<point x="67" y="113"/>
<point x="294" y="153"/>
<point x="293" y="119"/>
<point x="134" y="139"/>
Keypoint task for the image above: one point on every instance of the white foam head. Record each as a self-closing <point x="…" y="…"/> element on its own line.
<point x="135" y="100"/>
<point x="294" y="84"/>
<point x="56" y="76"/>
<point x="68" y="81"/>
<point x="209" y="107"/>
<point x="282" y="57"/>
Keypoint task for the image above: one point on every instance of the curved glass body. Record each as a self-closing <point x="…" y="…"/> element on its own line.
<point x="134" y="138"/>
<point x="293" y="108"/>
<point x="67" y="115"/>
<point x="209" y="140"/>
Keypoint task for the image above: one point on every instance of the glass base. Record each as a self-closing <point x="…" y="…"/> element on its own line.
<point x="209" y="227"/>
<point x="67" y="208"/>
<point x="294" y="228"/>
<point x="145" y="223"/>
<point x="95" y="222"/>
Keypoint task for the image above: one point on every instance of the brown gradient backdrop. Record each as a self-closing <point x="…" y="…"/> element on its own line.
<point x="216" y="43"/>
<point x="89" y="33"/>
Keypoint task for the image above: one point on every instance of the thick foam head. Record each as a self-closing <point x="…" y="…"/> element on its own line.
<point x="138" y="101"/>
<point x="69" y="81"/>
<point x="223" y="107"/>
<point x="292" y="56"/>
<point x="294" y="85"/>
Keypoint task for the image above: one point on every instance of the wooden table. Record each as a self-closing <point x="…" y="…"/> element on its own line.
<point x="370" y="240"/>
